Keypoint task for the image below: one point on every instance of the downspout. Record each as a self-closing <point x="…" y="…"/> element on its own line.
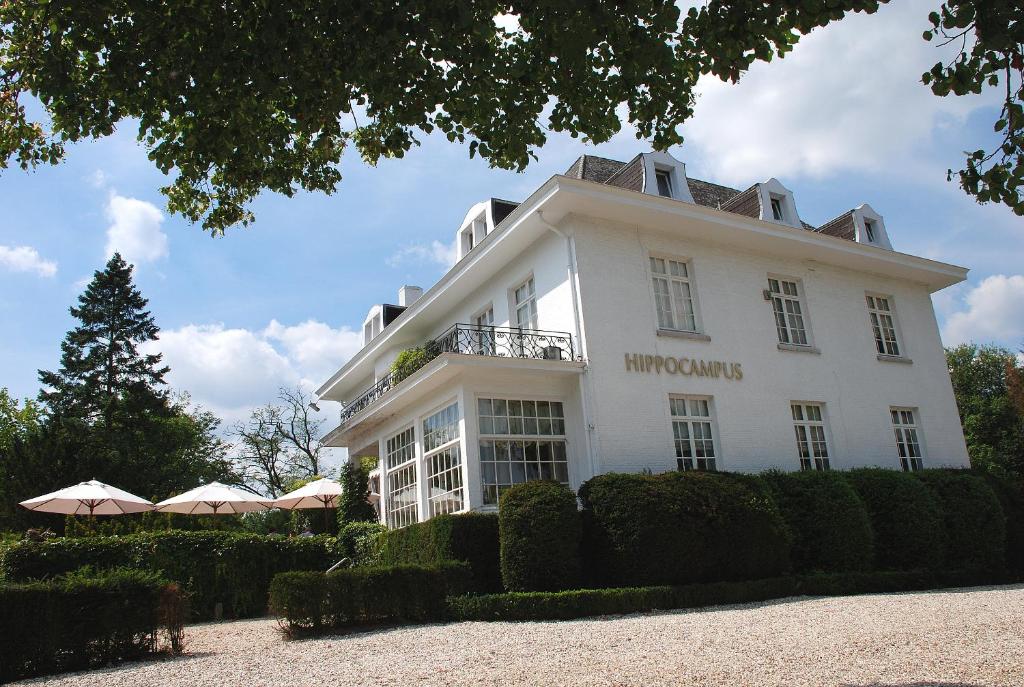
<point x="571" y="268"/>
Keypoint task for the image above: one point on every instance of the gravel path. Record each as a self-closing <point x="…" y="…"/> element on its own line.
<point x="959" y="637"/>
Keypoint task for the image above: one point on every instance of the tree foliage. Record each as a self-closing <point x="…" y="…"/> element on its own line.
<point x="985" y="381"/>
<point x="991" y="37"/>
<point x="232" y="98"/>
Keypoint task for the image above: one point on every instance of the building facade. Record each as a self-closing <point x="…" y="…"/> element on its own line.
<point x="627" y="318"/>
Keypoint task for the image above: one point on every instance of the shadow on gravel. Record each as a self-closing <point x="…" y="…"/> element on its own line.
<point x="98" y="673"/>
<point x="913" y="684"/>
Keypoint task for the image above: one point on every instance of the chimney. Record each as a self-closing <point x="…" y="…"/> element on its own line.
<point x="407" y="295"/>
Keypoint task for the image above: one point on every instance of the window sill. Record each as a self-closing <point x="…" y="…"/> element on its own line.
<point x="799" y="348"/>
<point x="894" y="359"/>
<point x="680" y="334"/>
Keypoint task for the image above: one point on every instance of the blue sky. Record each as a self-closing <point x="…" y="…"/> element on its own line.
<point x="841" y="121"/>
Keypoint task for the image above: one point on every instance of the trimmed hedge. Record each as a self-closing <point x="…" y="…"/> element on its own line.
<point x="829" y="523"/>
<point x="313" y="602"/>
<point x="86" y="620"/>
<point x="228" y="568"/>
<point x="539" y="530"/>
<point x="525" y="606"/>
<point x="360" y="541"/>
<point x="973" y="520"/>
<point x="470" y="537"/>
<point x="678" y="528"/>
<point x="906" y="518"/>
<point x="1010" y="493"/>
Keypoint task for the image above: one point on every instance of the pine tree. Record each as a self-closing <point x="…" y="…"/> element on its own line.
<point x="101" y="369"/>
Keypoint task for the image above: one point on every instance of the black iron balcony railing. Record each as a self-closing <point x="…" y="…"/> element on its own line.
<point x="468" y="339"/>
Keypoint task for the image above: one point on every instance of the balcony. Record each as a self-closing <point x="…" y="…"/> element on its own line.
<point x="467" y="339"/>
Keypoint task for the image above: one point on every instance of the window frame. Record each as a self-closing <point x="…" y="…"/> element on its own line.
<point x="813" y="461"/>
<point x="894" y="322"/>
<point x="711" y="419"/>
<point x="484" y="343"/>
<point x="482" y="436"/>
<point x="515" y="304"/>
<point x="666" y="174"/>
<point x="775" y="203"/>
<point x="409" y="515"/>
<point x="801" y="300"/>
<point x="447" y="446"/>
<point x="691" y="282"/>
<point x="907" y="462"/>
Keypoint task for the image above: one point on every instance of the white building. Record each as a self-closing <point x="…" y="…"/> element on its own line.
<point x="626" y="318"/>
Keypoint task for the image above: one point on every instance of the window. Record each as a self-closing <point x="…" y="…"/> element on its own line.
<point x="443" y="458"/>
<point x="777" y="209"/>
<point x="403" y="492"/>
<point x="520" y="440"/>
<point x="691" y="432"/>
<point x="809" y="423"/>
<point x="483" y="334"/>
<point x="908" y="442"/>
<point x="883" y="324"/>
<point x="525" y="301"/>
<point x="789" y="311"/>
<point x="673" y="296"/>
<point x="869" y="229"/>
<point x="664" y="180"/>
<point x="467" y="239"/>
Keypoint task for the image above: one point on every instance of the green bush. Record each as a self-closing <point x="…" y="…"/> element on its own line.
<point x="905" y="516"/>
<point x="829" y="523"/>
<point x="678" y="528"/>
<point x="360" y="542"/>
<point x="1010" y="493"/>
<point x="86" y="620"/>
<point x="410" y="360"/>
<point x="225" y="568"/>
<point x="972" y="518"/>
<point x="470" y="537"/>
<point x="313" y="602"/>
<point x="539" y="530"/>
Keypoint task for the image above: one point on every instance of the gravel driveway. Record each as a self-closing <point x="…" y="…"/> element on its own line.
<point x="957" y="637"/>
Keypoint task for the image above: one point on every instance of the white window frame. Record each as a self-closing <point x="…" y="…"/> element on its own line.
<point x="666" y="174"/>
<point x="483" y="338"/>
<point x="812" y="432"/>
<point x="685" y="431"/>
<point x="908" y="437"/>
<point x="452" y="477"/>
<point x="530" y="301"/>
<point x="785" y="330"/>
<point x="876" y="315"/>
<point x="776" y="204"/>
<point x="405" y="515"/>
<point x="674" y="301"/>
<point x="494" y="436"/>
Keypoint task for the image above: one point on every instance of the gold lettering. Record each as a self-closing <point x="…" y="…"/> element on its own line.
<point x="671" y="365"/>
<point x="727" y="370"/>
<point x="659" y="362"/>
<point x="717" y="369"/>
<point x="703" y="368"/>
<point x="737" y="371"/>
<point x="631" y="363"/>
<point x="683" y="362"/>
<point x="648" y="362"/>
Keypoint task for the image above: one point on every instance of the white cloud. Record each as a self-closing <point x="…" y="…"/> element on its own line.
<point x="135" y="230"/>
<point x="413" y="253"/>
<point x="848" y="98"/>
<point x="233" y="370"/>
<point x="26" y="259"/>
<point x="993" y="311"/>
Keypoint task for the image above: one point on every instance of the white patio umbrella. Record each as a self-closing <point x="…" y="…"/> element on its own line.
<point x="89" y="498"/>
<point x="214" y="499"/>
<point x="322" y="493"/>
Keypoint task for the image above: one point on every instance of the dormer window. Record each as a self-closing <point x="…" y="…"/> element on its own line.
<point x="664" y="178"/>
<point x="777" y="209"/>
<point x="776" y="204"/>
<point x="869" y="229"/>
<point x="467" y="239"/>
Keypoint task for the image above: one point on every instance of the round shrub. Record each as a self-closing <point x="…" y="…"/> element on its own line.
<point x="905" y="517"/>
<point x="973" y="519"/>
<point x="830" y="525"/>
<point x="677" y="528"/>
<point x="539" y="530"/>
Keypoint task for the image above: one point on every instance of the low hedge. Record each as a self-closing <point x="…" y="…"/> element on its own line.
<point x="470" y="537"/>
<point x="539" y="529"/>
<point x="679" y="528"/>
<point x="87" y="620"/>
<point x="525" y="606"/>
<point x="829" y="523"/>
<point x="906" y="518"/>
<point x="225" y="568"/>
<point x="972" y="518"/>
<point x="1010" y="493"/>
<point x="313" y="602"/>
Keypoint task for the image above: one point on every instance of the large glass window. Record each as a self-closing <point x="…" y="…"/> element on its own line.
<point x="692" y="433"/>
<point x="403" y="496"/>
<point x="443" y="459"/>
<point x="526" y="305"/>
<point x="673" y="294"/>
<point x="883" y="324"/>
<point x="908" y="440"/>
<point x="520" y="440"/>
<point x="812" y="446"/>
<point x="788" y="307"/>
